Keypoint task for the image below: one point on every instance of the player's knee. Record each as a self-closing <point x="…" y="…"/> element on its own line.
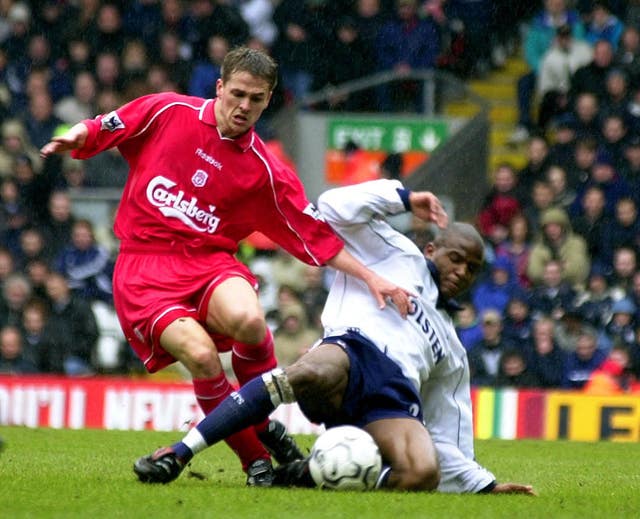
<point x="248" y="326"/>
<point x="312" y="377"/>
<point x="420" y="478"/>
<point x="202" y="361"/>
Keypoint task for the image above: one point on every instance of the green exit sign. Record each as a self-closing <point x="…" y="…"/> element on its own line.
<point x="390" y="135"/>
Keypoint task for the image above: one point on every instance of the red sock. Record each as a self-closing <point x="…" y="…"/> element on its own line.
<point x="209" y="393"/>
<point x="249" y="361"/>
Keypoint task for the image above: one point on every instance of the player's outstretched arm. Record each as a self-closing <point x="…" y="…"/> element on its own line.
<point x="426" y="206"/>
<point x="380" y="288"/>
<point x="513" y="488"/>
<point x="72" y="139"/>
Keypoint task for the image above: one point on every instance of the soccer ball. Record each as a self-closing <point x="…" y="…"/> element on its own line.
<point x="345" y="458"/>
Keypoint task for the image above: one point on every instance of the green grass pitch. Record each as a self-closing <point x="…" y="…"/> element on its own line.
<point x="65" y="473"/>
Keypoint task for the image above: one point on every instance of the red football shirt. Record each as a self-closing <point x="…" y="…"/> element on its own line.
<point x="189" y="185"/>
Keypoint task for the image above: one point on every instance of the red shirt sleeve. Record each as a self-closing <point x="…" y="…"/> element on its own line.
<point x="291" y="220"/>
<point x="127" y="122"/>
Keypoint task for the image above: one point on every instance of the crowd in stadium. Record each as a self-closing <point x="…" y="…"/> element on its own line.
<point x="560" y="300"/>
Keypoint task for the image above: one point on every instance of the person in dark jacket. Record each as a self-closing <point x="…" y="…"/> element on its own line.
<point x="72" y="327"/>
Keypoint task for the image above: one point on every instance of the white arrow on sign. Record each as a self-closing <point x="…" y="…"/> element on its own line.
<point x="429" y="140"/>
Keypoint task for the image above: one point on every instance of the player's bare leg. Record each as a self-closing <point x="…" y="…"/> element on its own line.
<point x="406" y="447"/>
<point x="234" y="310"/>
<point x="189" y="343"/>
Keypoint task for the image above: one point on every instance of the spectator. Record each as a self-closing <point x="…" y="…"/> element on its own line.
<point x="603" y="25"/>
<point x="614" y="137"/>
<point x="558" y="241"/>
<point x="538" y="40"/>
<point x="484" y="356"/>
<point x="468" y="325"/>
<point x="172" y="59"/>
<point x="621" y="328"/>
<point x="304" y="31"/>
<point x="12" y="358"/>
<point x="595" y="302"/>
<point x="16" y="143"/>
<point x="404" y="44"/>
<point x="592" y="77"/>
<point x="623" y="230"/>
<point x="350" y="60"/>
<point x="496" y="290"/>
<point x="582" y="362"/>
<point x="32" y="248"/>
<point x="78" y="54"/>
<point x="258" y="14"/>
<point x="514" y="371"/>
<point x="541" y="201"/>
<point x="40" y="121"/>
<point x="584" y="157"/>
<point x="33" y="188"/>
<point x="288" y="270"/>
<point x="38" y="345"/>
<point x="314" y="296"/>
<point x="553" y="295"/>
<point x="16" y="291"/>
<point x="143" y="19"/>
<point x="627" y="56"/>
<point x="586" y="116"/>
<point x="604" y="176"/>
<point x="558" y="63"/>
<point x="37" y="272"/>
<point x="14" y="215"/>
<point x="206" y="72"/>
<point x="634" y="293"/>
<point x="86" y="265"/>
<point x="517" y="248"/>
<point x="630" y="171"/>
<point x="369" y="16"/>
<point x="501" y="204"/>
<point x="569" y="327"/>
<point x="562" y="150"/>
<point x="592" y="222"/>
<point x="618" y="95"/>
<point x="57" y="226"/>
<point x="72" y="327"/>
<point x="518" y="323"/>
<point x="107" y="35"/>
<point x="108" y="72"/>
<point x="547" y="359"/>
<point x="208" y="18"/>
<point x="625" y="264"/>
<point x="538" y="161"/>
<point x="294" y="336"/>
<point x="563" y="194"/>
<point x="81" y="104"/>
<point x="476" y="19"/>
<point x="7" y="264"/>
<point x="615" y="375"/>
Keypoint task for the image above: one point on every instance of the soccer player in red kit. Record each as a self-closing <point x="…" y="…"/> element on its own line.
<point x="200" y="181"/>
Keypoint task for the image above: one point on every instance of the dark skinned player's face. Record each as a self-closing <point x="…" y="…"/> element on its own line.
<point x="458" y="260"/>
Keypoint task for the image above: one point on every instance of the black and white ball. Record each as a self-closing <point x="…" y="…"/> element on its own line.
<point x="345" y="458"/>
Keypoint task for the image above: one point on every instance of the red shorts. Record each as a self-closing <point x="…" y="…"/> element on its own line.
<point x="153" y="289"/>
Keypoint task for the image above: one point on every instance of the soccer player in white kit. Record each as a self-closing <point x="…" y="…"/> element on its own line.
<point x="373" y="368"/>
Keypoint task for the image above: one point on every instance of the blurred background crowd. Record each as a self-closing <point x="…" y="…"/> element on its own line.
<point x="559" y="303"/>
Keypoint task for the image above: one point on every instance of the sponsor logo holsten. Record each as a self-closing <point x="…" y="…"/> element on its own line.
<point x="173" y="204"/>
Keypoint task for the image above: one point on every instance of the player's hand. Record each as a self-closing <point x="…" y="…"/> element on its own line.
<point x="426" y="206"/>
<point x="72" y="139"/>
<point x="384" y="291"/>
<point x="513" y="488"/>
